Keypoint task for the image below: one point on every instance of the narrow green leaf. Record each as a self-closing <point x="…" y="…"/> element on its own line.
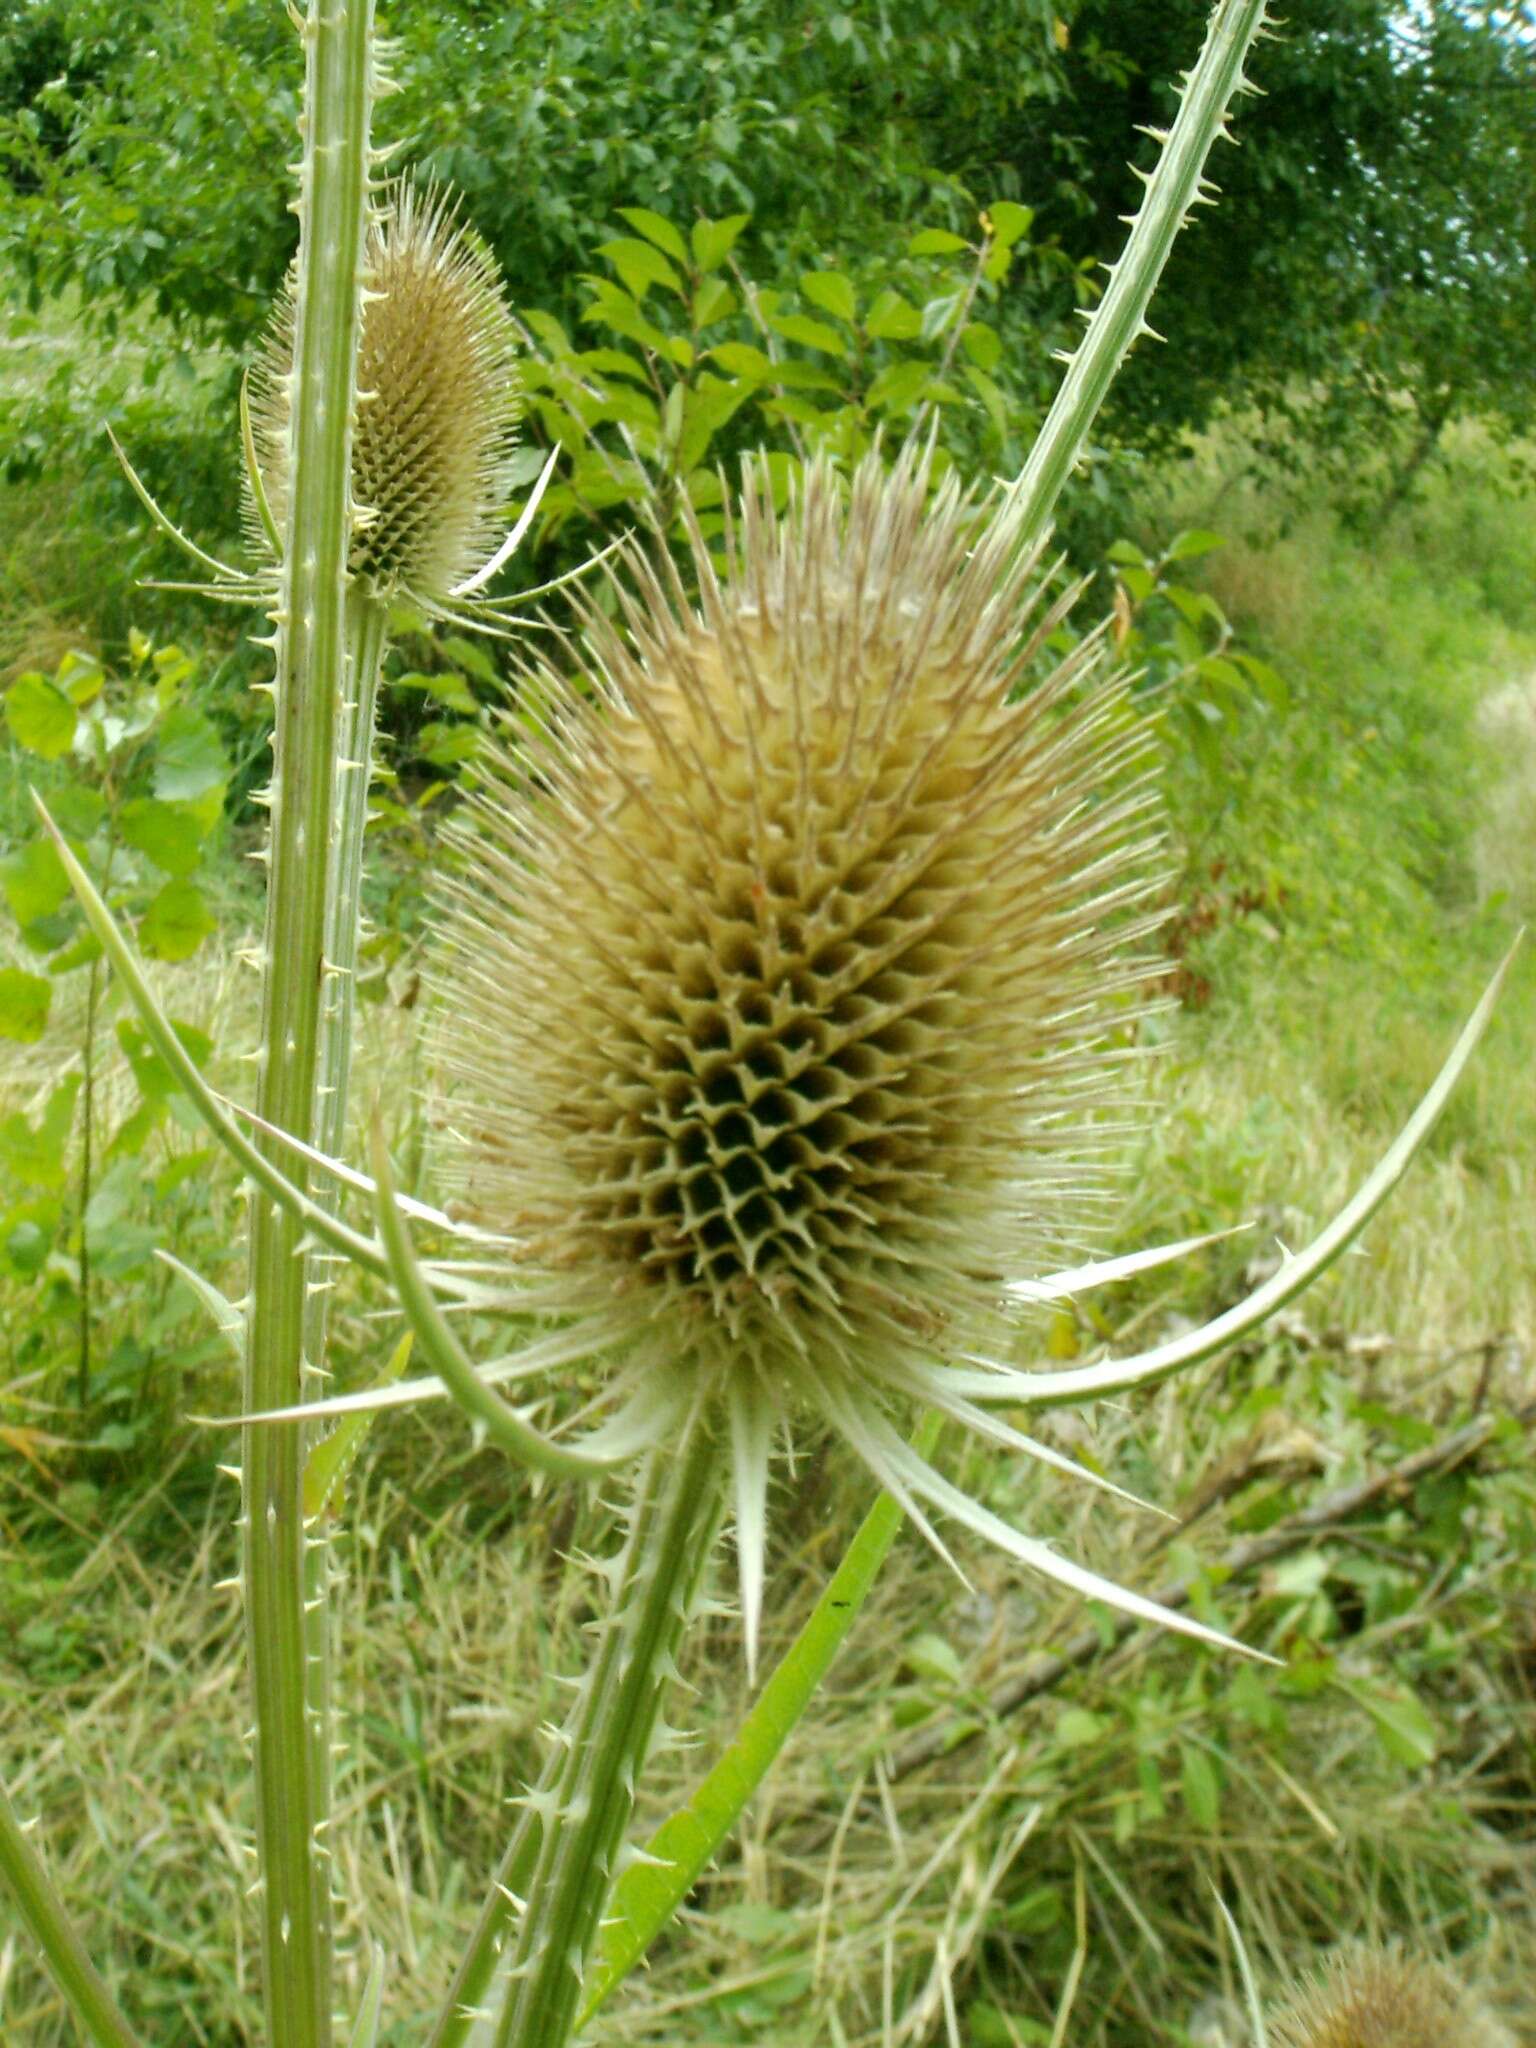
<point x="41" y="717"/>
<point x="650" y="1892"/>
<point x="332" y="1459"/>
<point x="658" y="229"/>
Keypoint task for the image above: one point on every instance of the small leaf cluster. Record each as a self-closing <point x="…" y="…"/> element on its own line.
<point x="695" y="360"/>
<point x="141" y="773"/>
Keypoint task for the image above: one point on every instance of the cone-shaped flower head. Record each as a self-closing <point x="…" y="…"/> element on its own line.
<point x="781" y="961"/>
<point x="437" y="402"/>
<point x="1372" y="1998"/>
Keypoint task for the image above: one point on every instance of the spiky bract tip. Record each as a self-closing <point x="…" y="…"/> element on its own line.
<point x="781" y="961"/>
<point x="1384" y="1998"/>
<point x="437" y="401"/>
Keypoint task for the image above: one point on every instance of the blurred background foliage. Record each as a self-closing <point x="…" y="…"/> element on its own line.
<point x="1309" y="519"/>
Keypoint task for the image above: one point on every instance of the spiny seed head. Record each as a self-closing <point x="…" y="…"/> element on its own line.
<point x="437" y="401"/>
<point x="1381" y="1998"/>
<point x="780" y="963"/>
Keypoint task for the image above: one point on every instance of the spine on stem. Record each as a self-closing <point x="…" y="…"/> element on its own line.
<point x="284" y="1572"/>
<point x="584" y="1808"/>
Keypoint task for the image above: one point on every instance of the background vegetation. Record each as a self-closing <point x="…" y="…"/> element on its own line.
<point x="727" y="227"/>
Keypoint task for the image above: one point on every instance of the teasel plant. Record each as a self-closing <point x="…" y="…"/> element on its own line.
<point x="794" y="972"/>
<point x="1382" y="1997"/>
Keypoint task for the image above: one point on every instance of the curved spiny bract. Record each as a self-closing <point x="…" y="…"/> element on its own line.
<point x="437" y="404"/>
<point x="783" y="962"/>
<point x="1382" y="1998"/>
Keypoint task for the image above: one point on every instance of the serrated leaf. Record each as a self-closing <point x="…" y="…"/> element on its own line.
<point x="713" y="240"/>
<point x="24" y="1000"/>
<point x="189" y="756"/>
<point x="176" y="922"/>
<point x="41" y="717"/>
<point x="658" y="229"/>
<point x="830" y="290"/>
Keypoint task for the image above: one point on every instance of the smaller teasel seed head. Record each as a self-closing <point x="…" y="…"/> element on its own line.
<point x="1383" y="1998"/>
<point x="437" y="401"/>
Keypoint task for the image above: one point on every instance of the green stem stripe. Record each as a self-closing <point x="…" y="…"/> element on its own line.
<point x="42" y="1912"/>
<point x="650" y="1892"/>
<point x="288" y="1671"/>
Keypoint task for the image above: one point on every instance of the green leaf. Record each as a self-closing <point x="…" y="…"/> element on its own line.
<point x="899" y="386"/>
<point x="1202" y="1786"/>
<point x="741" y="359"/>
<point x="830" y="290"/>
<point x="640" y="266"/>
<point x="714" y="300"/>
<point x="77" y="809"/>
<point x="176" y="922"/>
<point x="936" y="242"/>
<point x="650" y="1892"/>
<point x="658" y="229"/>
<point x="171" y="835"/>
<point x="328" y="1464"/>
<point x="35" y="882"/>
<point x="41" y="717"/>
<point x="189" y="756"/>
<point x="1406" y="1731"/>
<point x="24" y="1000"/>
<point x="809" y="333"/>
<point x="713" y="240"/>
<point x="1009" y="222"/>
<point x="982" y="344"/>
<point x="930" y="1657"/>
<point x="1198" y="541"/>
<point x="893" y="318"/>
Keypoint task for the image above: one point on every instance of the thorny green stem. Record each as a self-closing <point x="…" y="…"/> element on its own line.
<point x="1121" y="315"/>
<point x="291" y="1718"/>
<point x="54" y="1932"/>
<point x="583" y="1817"/>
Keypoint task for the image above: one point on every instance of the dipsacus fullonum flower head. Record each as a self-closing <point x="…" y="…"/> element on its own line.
<point x="780" y="971"/>
<point x="1382" y="1998"/>
<point x="437" y="402"/>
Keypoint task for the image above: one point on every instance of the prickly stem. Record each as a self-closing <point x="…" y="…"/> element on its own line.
<point x="1120" y="316"/>
<point x="283" y="1574"/>
<point x="584" y="1815"/>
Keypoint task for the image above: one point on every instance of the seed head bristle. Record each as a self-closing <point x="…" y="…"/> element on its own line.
<point x="779" y="967"/>
<point x="437" y="401"/>
<point x="1382" y="1998"/>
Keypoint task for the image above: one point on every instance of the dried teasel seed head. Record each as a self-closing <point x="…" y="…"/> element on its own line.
<point x="1382" y="1998"/>
<point x="437" y="401"/>
<point x="779" y="967"/>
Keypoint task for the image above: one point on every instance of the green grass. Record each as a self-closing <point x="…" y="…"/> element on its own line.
<point x="1384" y="1782"/>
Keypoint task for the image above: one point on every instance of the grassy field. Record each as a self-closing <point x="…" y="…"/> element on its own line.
<point x="969" y="1843"/>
